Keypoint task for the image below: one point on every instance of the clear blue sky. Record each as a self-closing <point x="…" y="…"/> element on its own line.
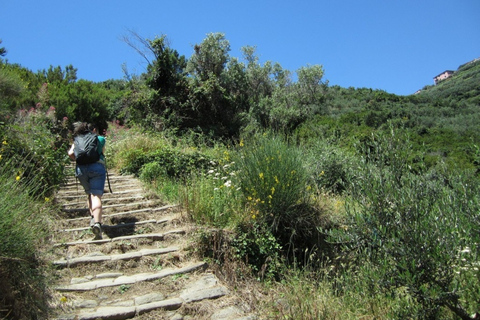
<point x="397" y="46"/>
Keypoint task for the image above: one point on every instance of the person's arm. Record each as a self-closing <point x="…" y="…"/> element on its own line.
<point x="71" y="152"/>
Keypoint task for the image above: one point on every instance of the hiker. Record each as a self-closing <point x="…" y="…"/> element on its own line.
<point x="90" y="170"/>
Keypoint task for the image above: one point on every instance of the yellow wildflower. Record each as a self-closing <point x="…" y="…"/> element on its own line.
<point x="17" y="178"/>
<point x="261" y="175"/>
<point x="241" y="143"/>
<point x="276" y="179"/>
<point x="63" y="299"/>
<point x="5" y="142"/>
<point x="47" y="199"/>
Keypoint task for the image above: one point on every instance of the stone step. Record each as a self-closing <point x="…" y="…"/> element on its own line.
<point x="148" y="236"/>
<point x="80" y="193"/>
<point x="206" y="287"/>
<point x="113" y="181"/>
<point x="115" y="185"/>
<point x="144" y="210"/>
<point x="97" y="282"/>
<point x="142" y="203"/>
<point x="105" y="200"/>
<point x="122" y="225"/>
<point x="100" y="257"/>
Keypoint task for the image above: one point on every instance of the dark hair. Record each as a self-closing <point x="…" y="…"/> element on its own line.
<point x="80" y="128"/>
<point x="91" y="127"/>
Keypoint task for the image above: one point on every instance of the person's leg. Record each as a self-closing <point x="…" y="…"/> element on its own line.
<point x="89" y="203"/>
<point x="96" y="207"/>
<point x="97" y="183"/>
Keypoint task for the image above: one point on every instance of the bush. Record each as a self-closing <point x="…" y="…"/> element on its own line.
<point x="35" y="145"/>
<point x="274" y="183"/>
<point x="330" y="168"/>
<point x="175" y="163"/>
<point x="413" y="228"/>
<point x="151" y="171"/>
<point x="23" y="226"/>
<point x="272" y="178"/>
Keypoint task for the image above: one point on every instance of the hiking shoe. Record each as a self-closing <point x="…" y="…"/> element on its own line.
<point x="97" y="231"/>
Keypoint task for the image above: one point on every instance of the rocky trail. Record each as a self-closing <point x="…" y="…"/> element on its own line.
<point x="145" y="267"/>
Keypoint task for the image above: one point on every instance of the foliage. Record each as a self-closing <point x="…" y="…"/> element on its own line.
<point x="23" y="227"/>
<point x="80" y="101"/>
<point x="331" y="169"/>
<point x="174" y="163"/>
<point x="256" y="245"/>
<point x="213" y="197"/>
<point x="3" y="51"/>
<point x="213" y="75"/>
<point x="412" y="228"/>
<point x="275" y="182"/>
<point x="315" y="294"/>
<point x="34" y="144"/>
<point x="11" y="86"/>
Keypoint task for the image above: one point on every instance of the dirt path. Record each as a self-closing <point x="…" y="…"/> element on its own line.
<point x="144" y="268"/>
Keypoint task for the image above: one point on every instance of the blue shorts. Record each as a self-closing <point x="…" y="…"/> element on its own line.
<point x="92" y="177"/>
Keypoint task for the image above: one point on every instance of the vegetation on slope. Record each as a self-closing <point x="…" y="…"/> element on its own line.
<point x="343" y="201"/>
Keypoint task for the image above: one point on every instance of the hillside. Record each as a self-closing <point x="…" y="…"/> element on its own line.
<point x="463" y="85"/>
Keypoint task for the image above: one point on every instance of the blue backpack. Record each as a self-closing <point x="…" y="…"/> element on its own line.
<point x="86" y="148"/>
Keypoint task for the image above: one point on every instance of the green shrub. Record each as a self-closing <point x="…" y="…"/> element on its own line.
<point x="35" y="145"/>
<point x="175" y="163"/>
<point x="257" y="245"/>
<point x="151" y="171"/>
<point x="23" y="227"/>
<point x="412" y="228"/>
<point x="331" y="168"/>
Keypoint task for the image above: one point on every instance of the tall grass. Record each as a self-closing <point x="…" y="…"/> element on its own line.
<point x="273" y="179"/>
<point x="23" y="228"/>
<point x="214" y="197"/>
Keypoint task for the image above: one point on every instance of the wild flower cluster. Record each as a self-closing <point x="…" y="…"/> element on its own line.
<point x="223" y="175"/>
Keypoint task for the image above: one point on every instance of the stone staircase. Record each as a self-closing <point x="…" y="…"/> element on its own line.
<point x="145" y="267"/>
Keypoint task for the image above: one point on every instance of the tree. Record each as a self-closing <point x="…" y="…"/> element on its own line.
<point x="216" y="87"/>
<point x="160" y="103"/>
<point x="166" y="72"/>
<point x="57" y="75"/>
<point x="81" y="101"/>
<point x="3" y="51"/>
<point x="311" y="89"/>
<point x="210" y="57"/>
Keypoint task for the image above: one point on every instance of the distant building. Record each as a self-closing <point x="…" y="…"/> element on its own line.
<point x="442" y="76"/>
